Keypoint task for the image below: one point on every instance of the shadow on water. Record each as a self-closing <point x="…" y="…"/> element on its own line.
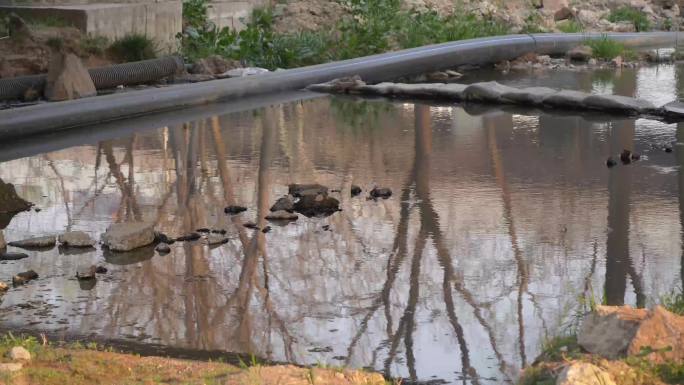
<point x="501" y="224"/>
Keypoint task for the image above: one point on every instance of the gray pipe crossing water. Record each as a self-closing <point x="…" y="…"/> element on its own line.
<point x="51" y="117"/>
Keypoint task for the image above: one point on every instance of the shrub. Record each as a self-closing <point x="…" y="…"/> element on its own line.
<point x="636" y="17"/>
<point x="133" y="48"/>
<point x="570" y="26"/>
<point x="94" y="45"/>
<point x="605" y="48"/>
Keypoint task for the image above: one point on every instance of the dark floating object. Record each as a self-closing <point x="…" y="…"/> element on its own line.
<point x="355" y="190"/>
<point x="326" y="227"/>
<point x="37" y="209"/>
<point x="162" y="238"/>
<point x="234" y="210"/>
<point x="285" y="203"/>
<point x="668" y="149"/>
<point x="203" y="230"/>
<point x="24" y="277"/>
<point x="12" y="256"/>
<point x="335" y="191"/>
<point x="251" y="225"/>
<point x="317" y="205"/>
<point x="626" y="157"/>
<point x="163" y="248"/>
<point x="86" y="272"/>
<point x="610" y="162"/>
<point x="300" y="190"/>
<point x="266" y="229"/>
<point x="383" y="193"/>
<point x="189" y="237"/>
<point x="222" y="232"/>
<point x="101" y="270"/>
<point x="635" y="156"/>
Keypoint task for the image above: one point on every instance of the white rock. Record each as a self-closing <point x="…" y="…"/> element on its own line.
<point x="584" y="373"/>
<point x="19" y="353"/>
<point x="128" y="236"/>
<point x="76" y="239"/>
<point x="10" y="367"/>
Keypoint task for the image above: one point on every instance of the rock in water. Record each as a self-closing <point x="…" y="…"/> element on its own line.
<point x="581" y="53"/>
<point x="76" y="239"/>
<point x="86" y="272"/>
<point x="12" y="256"/>
<point x="626" y="157"/>
<point x="24" y="277"/>
<point x="101" y="270"/>
<point x="355" y="190"/>
<point x="299" y="190"/>
<point x="252" y="225"/>
<point x="19" y="353"/>
<point x="10" y="203"/>
<point x="215" y="240"/>
<point x="128" y="236"/>
<point x="383" y="193"/>
<point x="163" y="248"/>
<point x="285" y="203"/>
<point x="3" y="287"/>
<point x="610" y="162"/>
<point x="281" y="216"/>
<point x="67" y="78"/>
<point x="37" y="242"/>
<point x="317" y="205"/>
<point x="234" y="210"/>
<point x="266" y="229"/>
<point x="584" y="373"/>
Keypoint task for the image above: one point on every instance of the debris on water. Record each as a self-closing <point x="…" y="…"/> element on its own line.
<point x="285" y="203"/>
<point x="635" y="156"/>
<point x="222" y="231"/>
<point x="317" y="205"/>
<point x="326" y="227"/>
<point x="355" y="190"/>
<point x="610" y="162"/>
<point x="300" y="190"/>
<point x="326" y="349"/>
<point x="335" y="191"/>
<point x="24" y="277"/>
<point x="162" y="238"/>
<point x="37" y="242"/>
<point x="214" y="239"/>
<point x="163" y="248"/>
<point x="251" y="225"/>
<point x="626" y="157"/>
<point x="203" y="230"/>
<point x="189" y="238"/>
<point x="234" y="210"/>
<point x="266" y="229"/>
<point x="37" y="209"/>
<point x="668" y="149"/>
<point x="282" y="216"/>
<point x="101" y="270"/>
<point x="382" y="192"/>
<point x="76" y="239"/>
<point x="12" y="256"/>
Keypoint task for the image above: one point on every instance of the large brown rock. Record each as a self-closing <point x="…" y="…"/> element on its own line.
<point x="615" y="332"/>
<point x="67" y="78"/>
<point x="128" y="236"/>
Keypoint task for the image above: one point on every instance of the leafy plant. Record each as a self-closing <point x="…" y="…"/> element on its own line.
<point x="194" y="13"/>
<point x="133" y="48"/>
<point x="94" y="45"/>
<point x="629" y="14"/>
<point x="674" y="302"/>
<point x="533" y="23"/>
<point x="570" y="26"/>
<point x="605" y="48"/>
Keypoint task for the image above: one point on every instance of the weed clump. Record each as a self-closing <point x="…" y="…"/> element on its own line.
<point x="629" y="14"/>
<point x="606" y="48"/>
<point x="133" y="47"/>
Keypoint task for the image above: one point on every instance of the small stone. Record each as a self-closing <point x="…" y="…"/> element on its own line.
<point x="285" y="203"/>
<point x="10" y="367"/>
<point x="162" y="238"/>
<point x="626" y="157"/>
<point x="222" y="231"/>
<point x="203" y="230"/>
<point x="383" y="193"/>
<point x="355" y="190"/>
<point x="580" y="53"/>
<point x="3" y="287"/>
<point x="281" y="216"/>
<point x="668" y="149"/>
<point x="12" y="256"/>
<point x="86" y="272"/>
<point x="163" y="248"/>
<point x="128" y="236"/>
<point x="24" y="277"/>
<point x="610" y="162"/>
<point x="101" y="270"/>
<point x="266" y="229"/>
<point x="76" y="239"/>
<point x="37" y="242"/>
<point x="299" y="190"/>
<point x="251" y="225"/>
<point x="234" y="210"/>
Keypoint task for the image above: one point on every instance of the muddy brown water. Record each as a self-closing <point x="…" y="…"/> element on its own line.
<point x="501" y="227"/>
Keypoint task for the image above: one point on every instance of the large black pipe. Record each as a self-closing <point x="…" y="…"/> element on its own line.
<point x="51" y="117"/>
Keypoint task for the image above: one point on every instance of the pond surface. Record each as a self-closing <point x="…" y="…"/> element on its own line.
<point x="501" y="228"/>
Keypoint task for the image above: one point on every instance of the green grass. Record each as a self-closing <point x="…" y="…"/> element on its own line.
<point x="370" y="27"/>
<point x="606" y="48"/>
<point x="674" y="302"/>
<point x="94" y="45"/>
<point x="634" y="16"/>
<point x="133" y="47"/>
<point x="533" y="24"/>
<point x="570" y="26"/>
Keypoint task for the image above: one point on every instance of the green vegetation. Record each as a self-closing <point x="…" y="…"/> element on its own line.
<point x="570" y="26"/>
<point x="606" y="48"/>
<point x="634" y="16"/>
<point x="133" y="48"/>
<point x="94" y="45"/>
<point x="533" y="24"/>
<point x="371" y="27"/>
<point x="674" y="302"/>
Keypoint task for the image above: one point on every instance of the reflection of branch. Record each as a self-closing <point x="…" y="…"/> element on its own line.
<point x="65" y="198"/>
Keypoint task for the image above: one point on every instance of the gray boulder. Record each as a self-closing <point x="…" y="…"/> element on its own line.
<point x="128" y="236"/>
<point x="317" y="205"/>
<point x="566" y="99"/>
<point x="67" y="78"/>
<point x="618" y="103"/>
<point x="285" y="203"/>
<point x="37" y="242"/>
<point x="76" y="239"/>
<point x="9" y="256"/>
<point x="163" y="248"/>
<point x="609" y="330"/>
<point x="488" y="92"/>
<point x="528" y="96"/>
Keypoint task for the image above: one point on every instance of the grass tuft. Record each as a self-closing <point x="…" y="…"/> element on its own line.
<point x="606" y="48"/>
<point x="634" y="16"/>
<point x="570" y="26"/>
<point x="133" y="47"/>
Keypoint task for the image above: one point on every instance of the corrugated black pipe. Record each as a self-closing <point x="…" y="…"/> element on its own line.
<point x="127" y="74"/>
<point x="50" y="117"/>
